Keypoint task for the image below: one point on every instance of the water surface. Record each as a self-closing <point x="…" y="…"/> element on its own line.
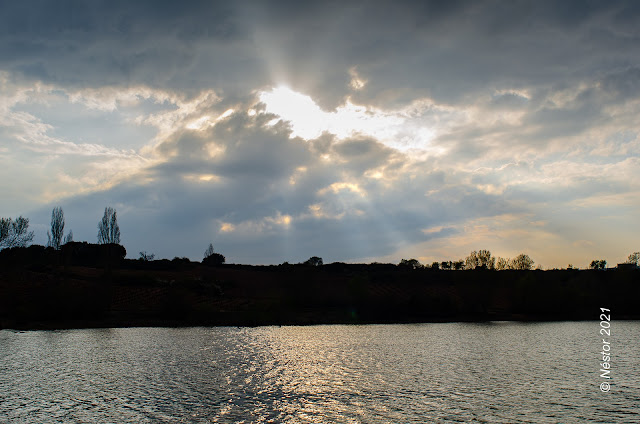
<point x="492" y="372"/>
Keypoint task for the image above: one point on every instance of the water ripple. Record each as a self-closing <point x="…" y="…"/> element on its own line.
<point x="482" y="373"/>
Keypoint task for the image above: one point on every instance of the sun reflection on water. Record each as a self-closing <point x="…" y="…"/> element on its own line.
<point x="506" y="373"/>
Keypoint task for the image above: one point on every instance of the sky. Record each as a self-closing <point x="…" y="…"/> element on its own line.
<point x="355" y="131"/>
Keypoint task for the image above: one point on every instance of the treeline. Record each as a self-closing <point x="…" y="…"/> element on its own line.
<point x="14" y="233"/>
<point x="483" y="259"/>
<point x="105" y="255"/>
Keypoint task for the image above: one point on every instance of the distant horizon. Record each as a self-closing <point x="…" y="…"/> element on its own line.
<point x="359" y="133"/>
<point x="535" y="266"/>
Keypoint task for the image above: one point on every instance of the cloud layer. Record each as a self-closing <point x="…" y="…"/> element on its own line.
<point x="427" y="131"/>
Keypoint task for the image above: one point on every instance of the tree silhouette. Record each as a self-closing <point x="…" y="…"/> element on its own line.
<point x="634" y="258"/>
<point x="54" y="238"/>
<point x="313" y="261"/>
<point x="212" y="258"/>
<point x="486" y="260"/>
<point x="15" y="233"/>
<point x="598" y="264"/>
<point x="144" y="256"/>
<point x="209" y="251"/>
<point x="522" y="262"/>
<point x="108" y="229"/>
<point x="472" y="261"/>
<point x="411" y="263"/>
<point x="503" y="263"/>
<point x="481" y="259"/>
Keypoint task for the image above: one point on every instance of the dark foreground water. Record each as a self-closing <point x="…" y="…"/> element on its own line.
<point x="496" y="373"/>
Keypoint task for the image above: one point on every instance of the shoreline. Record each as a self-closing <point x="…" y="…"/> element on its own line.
<point x="53" y="327"/>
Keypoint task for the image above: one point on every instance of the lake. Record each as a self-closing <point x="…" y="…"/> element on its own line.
<point x="452" y="372"/>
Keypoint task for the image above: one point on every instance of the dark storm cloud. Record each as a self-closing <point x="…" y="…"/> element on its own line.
<point x="409" y="50"/>
<point x="181" y="45"/>
<point x="404" y="50"/>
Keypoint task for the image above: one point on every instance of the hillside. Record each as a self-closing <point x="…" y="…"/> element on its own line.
<point x="55" y="291"/>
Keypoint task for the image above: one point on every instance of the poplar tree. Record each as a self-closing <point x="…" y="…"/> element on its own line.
<point x="108" y="229"/>
<point x="57" y="228"/>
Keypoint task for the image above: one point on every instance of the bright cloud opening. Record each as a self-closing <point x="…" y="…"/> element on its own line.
<point x="309" y="121"/>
